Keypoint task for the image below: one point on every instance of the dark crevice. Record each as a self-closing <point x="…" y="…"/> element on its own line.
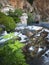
<point x="30" y="1"/>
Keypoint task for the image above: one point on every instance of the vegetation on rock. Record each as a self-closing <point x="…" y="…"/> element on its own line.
<point x="7" y="21"/>
<point x="15" y="15"/>
<point x="30" y="18"/>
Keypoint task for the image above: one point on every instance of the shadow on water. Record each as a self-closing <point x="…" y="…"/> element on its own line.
<point x="43" y="24"/>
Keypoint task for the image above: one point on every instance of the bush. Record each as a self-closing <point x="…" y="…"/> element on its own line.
<point x="18" y="12"/>
<point x="1" y="29"/>
<point x="30" y="18"/>
<point x="8" y="35"/>
<point x="11" y="54"/>
<point x="15" y="15"/>
<point x="7" y="21"/>
<point x="1" y="5"/>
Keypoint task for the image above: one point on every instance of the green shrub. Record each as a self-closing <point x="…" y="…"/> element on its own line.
<point x="11" y="54"/>
<point x="18" y="12"/>
<point x="16" y="19"/>
<point x="15" y="15"/>
<point x="1" y="5"/>
<point x="30" y="18"/>
<point x="1" y="30"/>
<point x="2" y="14"/>
<point x="9" y="36"/>
<point x="7" y="21"/>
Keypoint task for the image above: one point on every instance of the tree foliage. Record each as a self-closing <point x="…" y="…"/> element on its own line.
<point x="7" y="21"/>
<point x="15" y="15"/>
<point x="30" y="18"/>
<point x="11" y="54"/>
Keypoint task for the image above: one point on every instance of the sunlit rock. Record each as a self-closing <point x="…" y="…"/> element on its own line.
<point x="4" y="33"/>
<point x="39" y="50"/>
<point x="23" y="38"/>
<point x="24" y="18"/>
<point x="37" y="18"/>
<point x="31" y="48"/>
<point x="7" y="8"/>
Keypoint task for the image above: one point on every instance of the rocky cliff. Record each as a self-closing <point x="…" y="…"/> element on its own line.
<point x="17" y="3"/>
<point x="14" y="3"/>
<point x="23" y="4"/>
<point x="40" y="6"/>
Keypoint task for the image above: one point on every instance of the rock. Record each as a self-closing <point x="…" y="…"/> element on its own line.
<point x="13" y="3"/>
<point x="37" y="18"/>
<point x="31" y="48"/>
<point x="18" y="38"/>
<point x="39" y="50"/>
<point x="44" y="34"/>
<point x="29" y="34"/>
<point x="23" y="38"/>
<point x="42" y="7"/>
<point x="4" y="33"/>
<point x="24" y="18"/>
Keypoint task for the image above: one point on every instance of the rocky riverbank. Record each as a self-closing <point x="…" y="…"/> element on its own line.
<point x="36" y="39"/>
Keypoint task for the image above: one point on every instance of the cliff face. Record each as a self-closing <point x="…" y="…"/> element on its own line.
<point x="14" y="3"/>
<point x="17" y="3"/>
<point x="42" y="6"/>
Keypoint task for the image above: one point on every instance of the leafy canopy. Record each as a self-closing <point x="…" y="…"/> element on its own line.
<point x="7" y="21"/>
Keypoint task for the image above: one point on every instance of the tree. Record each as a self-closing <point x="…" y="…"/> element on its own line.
<point x="7" y="21"/>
